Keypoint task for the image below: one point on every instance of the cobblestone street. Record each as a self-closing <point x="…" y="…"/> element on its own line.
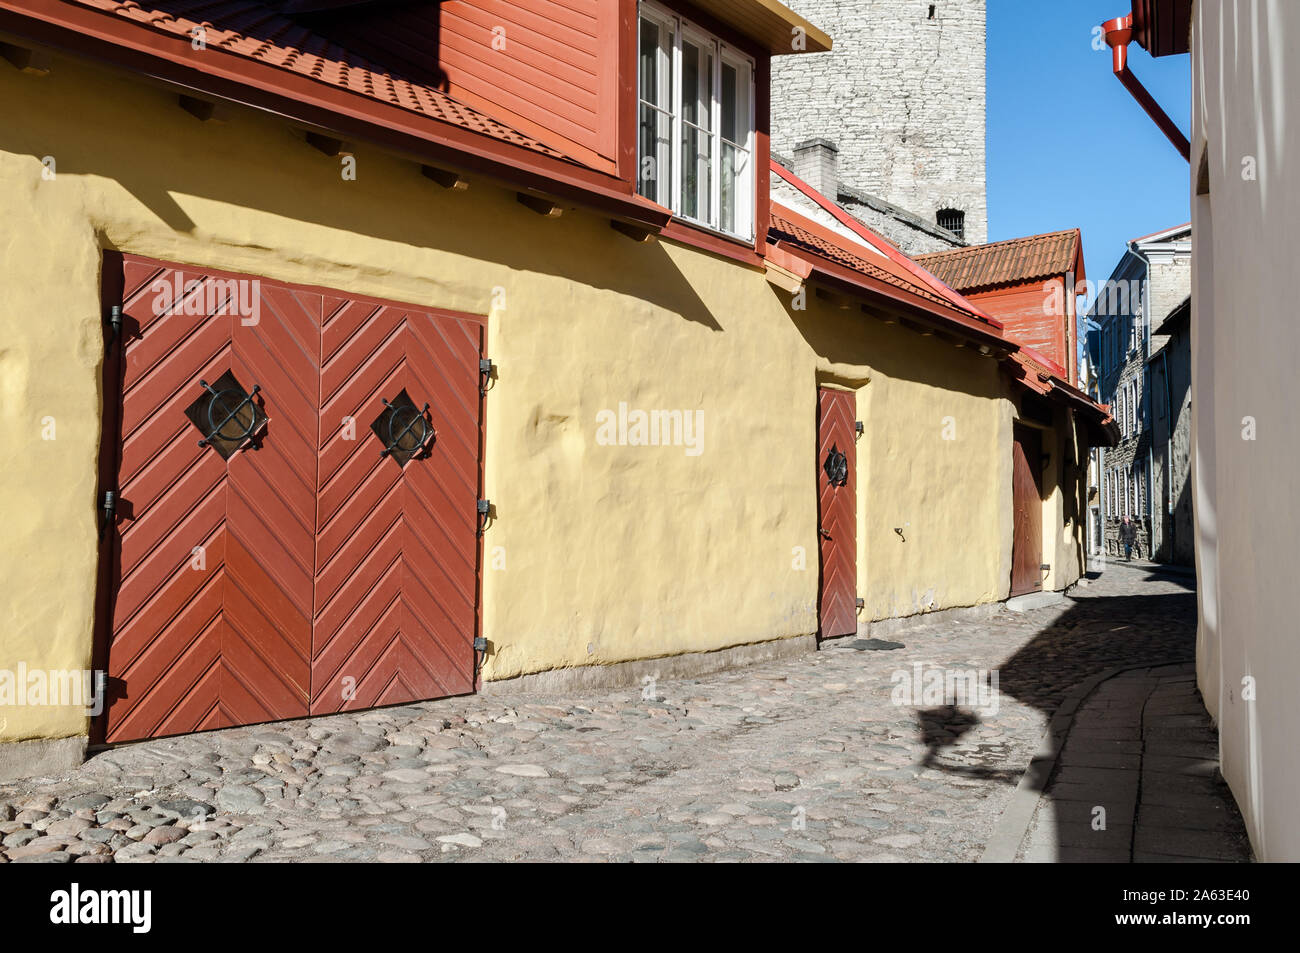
<point x="803" y="759"/>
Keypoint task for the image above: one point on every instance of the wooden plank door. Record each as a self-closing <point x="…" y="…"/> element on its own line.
<point x="1027" y="521"/>
<point x="397" y="546"/>
<point x="211" y="587"/>
<point x="837" y="512"/>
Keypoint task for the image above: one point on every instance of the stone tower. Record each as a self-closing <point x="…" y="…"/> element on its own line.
<point x="902" y="97"/>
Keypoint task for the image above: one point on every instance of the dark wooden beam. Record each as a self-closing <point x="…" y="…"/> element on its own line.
<point x="327" y="144"/>
<point x="539" y="204"/>
<point x="879" y="314"/>
<point x="447" y="179"/>
<point x="205" y="111"/>
<point x="638" y="233"/>
<point x="31" y="62"/>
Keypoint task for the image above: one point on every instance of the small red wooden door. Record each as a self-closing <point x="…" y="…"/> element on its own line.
<point x="396" y="548"/>
<point x="1027" y="528"/>
<point x="837" y="512"/>
<point x="212" y="556"/>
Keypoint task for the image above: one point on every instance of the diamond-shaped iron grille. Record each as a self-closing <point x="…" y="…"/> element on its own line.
<point x="225" y="414"/>
<point x="403" y="428"/>
<point x="836" y="467"/>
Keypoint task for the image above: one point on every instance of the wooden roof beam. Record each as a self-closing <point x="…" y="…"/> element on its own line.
<point x="29" y="61"/>
<point x="446" y="178"/>
<point x="546" y="207"/>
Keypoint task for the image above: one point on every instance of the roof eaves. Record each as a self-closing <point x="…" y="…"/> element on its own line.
<point x="886" y="248"/>
<point x="166" y="58"/>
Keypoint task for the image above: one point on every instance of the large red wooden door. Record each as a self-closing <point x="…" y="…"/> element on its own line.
<point x="396" y="549"/>
<point x="837" y="512"/>
<point x="1027" y="520"/>
<point x="266" y="561"/>
<point x="212" y="604"/>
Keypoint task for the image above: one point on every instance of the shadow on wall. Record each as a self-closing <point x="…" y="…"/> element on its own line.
<point x="848" y="336"/>
<point x="264" y="165"/>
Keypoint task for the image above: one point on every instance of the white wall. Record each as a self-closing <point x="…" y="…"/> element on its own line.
<point x="1245" y="352"/>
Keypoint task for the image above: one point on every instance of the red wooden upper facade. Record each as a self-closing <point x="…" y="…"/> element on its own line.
<point x="1028" y="284"/>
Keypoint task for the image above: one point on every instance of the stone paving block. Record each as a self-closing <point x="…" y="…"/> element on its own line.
<point x="1206" y="817"/>
<point x="803" y="758"/>
<point x="1179" y="842"/>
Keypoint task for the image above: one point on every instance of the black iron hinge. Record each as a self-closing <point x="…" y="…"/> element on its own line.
<point x="483" y="508"/>
<point x="108" y="511"/>
<point x="114" y="324"/>
<point x="485" y="366"/>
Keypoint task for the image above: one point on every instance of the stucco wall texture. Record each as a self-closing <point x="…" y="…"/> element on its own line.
<point x="902" y="95"/>
<point x="598" y="554"/>
<point x="1245" y="345"/>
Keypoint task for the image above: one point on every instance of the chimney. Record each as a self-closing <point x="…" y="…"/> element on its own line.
<point x="816" y="162"/>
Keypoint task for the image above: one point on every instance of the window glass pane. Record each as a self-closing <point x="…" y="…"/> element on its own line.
<point x="656" y="64"/>
<point x="697" y="84"/>
<point x="731" y="126"/>
<point x="654" y="165"/>
<point x="697" y="183"/>
<point x="737" y="181"/>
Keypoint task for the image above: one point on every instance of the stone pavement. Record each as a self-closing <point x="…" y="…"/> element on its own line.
<point x="812" y="758"/>
<point x="1137" y="779"/>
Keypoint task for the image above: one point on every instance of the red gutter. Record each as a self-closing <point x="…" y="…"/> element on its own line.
<point x="1119" y="33"/>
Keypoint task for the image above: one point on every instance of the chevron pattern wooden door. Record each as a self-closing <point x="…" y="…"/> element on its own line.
<point x="304" y="572"/>
<point x="213" y="559"/>
<point x="396" y="547"/>
<point x="837" y="512"/>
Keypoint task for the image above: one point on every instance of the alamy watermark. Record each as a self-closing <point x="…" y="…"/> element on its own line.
<point x="52" y="688"/>
<point x="956" y="687"/>
<point x="208" y="296"/>
<point x="651" y="428"/>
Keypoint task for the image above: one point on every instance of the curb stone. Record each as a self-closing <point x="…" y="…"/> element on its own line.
<point x="1014" y="823"/>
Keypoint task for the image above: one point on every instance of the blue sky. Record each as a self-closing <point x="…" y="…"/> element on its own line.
<point x="1067" y="144"/>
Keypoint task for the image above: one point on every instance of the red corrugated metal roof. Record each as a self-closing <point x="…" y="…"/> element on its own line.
<point x="908" y="266"/>
<point x="1010" y="262"/>
<point x="255" y="31"/>
<point x="792" y="229"/>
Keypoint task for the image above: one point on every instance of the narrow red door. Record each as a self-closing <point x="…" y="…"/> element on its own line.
<point x="1027" y="521"/>
<point x="837" y="512"/>
<point x="396" y="551"/>
<point x="212" y="552"/>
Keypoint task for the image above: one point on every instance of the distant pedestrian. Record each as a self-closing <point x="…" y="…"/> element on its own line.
<point x="1128" y="536"/>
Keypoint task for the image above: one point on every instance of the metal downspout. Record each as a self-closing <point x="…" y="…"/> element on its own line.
<point x="1119" y="33"/>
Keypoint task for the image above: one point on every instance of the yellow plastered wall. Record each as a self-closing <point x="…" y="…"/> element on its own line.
<point x="598" y="553"/>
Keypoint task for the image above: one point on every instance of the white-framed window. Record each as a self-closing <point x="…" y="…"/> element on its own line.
<point x="696" y="124"/>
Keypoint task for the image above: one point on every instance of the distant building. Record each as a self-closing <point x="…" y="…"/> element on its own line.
<point x="901" y="98"/>
<point x="1169" y="371"/>
<point x="1151" y="279"/>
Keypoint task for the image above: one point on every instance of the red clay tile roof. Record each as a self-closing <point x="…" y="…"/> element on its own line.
<point x="784" y="229"/>
<point x="251" y="29"/>
<point x="1003" y="263"/>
